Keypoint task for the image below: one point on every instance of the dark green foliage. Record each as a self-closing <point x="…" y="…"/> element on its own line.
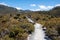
<point x="58" y="29"/>
<point x="0" y="16"/>
<point x="11" y="34"/>
<point x="3" y="21"/>
<point x="37" y="18"/>
<point x="44" y="19"/>
<point x="30" y="32"/>
<point x="16" y="17"/>
<point x="16" y="32"/>
<point x="23" y="26"/>
<point x="24" y="17"/>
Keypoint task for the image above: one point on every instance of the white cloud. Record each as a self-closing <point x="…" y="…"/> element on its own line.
<point x="18" y="8"/>
<point x="33" y="5"/>
<point x="2" y="3"/>
<point x="35" y="9"/>
<point x="57" y="5"/>
<point x="43" y="7"/>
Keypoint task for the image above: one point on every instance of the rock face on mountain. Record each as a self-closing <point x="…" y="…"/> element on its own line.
<point x="6" y="9"/>
<point x="55" y="11"/>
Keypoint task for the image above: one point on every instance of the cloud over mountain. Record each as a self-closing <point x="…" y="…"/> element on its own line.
<point x="32" y="5"/>
<point x="18" y="8"/>
<point x="2" y="3"/>
<point x="38" y="7"/>
<point x="44" y="7"/>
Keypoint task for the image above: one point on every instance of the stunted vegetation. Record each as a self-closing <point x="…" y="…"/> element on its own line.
<point x="15" y="26"/>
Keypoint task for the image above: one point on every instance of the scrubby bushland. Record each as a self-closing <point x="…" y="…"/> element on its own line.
<point x="15" y="26"/>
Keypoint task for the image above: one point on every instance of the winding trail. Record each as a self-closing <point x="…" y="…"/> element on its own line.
<point x="38" y="33"/>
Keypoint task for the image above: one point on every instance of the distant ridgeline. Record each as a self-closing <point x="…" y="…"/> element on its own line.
<point x="10" y="10"/>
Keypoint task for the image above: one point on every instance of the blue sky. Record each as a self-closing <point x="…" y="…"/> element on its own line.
<point x="31" y="4"/>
